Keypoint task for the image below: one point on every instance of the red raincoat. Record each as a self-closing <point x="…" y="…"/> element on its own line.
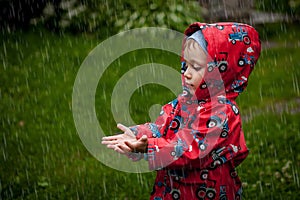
<point x="197" y="142"/>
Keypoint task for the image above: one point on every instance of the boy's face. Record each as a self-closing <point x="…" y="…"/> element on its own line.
<point x="195" y="59"/>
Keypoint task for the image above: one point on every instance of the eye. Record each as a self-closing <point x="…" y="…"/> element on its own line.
<point x="183" y="67"/>
<point x="197" y="67"/>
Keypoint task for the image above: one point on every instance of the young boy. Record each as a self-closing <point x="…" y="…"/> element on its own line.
<point x="197" y="141"/>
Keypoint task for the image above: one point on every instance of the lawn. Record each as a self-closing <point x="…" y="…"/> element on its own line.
<point x="42" y="156"/>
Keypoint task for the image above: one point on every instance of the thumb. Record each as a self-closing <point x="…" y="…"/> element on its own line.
<point x="144" y="138"/>
<point x="130" y="145"/>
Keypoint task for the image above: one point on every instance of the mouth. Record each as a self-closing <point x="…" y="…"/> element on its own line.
<point x="189" y="85"/>
<point x="191" y="88"/>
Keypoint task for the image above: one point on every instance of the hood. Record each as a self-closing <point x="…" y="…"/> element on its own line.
<point x="233" y="50"/>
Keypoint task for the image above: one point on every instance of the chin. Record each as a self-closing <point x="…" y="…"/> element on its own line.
<point x="192" y="92"/>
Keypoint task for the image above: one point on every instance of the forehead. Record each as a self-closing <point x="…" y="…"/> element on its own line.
<point x="193" y="53"/>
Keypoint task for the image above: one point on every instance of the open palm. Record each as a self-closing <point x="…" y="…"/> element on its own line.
<point x="126" y="142"/>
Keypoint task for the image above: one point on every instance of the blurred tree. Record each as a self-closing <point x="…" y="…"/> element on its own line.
<point x="100" y="16"/>
<point x="121" y="15"/>
<point x="229" y="10"/>
<point x="18" y="13"/>
<point x="295" y="7"/>
<point x="290" y="7"/>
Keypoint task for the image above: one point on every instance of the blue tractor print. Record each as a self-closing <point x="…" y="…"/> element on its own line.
<point x="212" y="83"/>
<point x="225" y="129"/>
<point x="238" y="85"/>
<point x="173" y="191"/>
<point x="220" y="63"/>
<point x="246" y="59"/>
<point x="216" y="121"/>
<point x="239" y="34"/>
<point x="202" y="146"/>
<point x="223" y="195"/>
<point x="154" y="130"/>
<point x="224" y="100"/>
<point x="179" y="148"/>
<point x="200" y="140"/>
<point x="218" y="159"/>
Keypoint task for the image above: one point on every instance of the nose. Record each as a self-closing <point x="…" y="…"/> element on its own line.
<point x="187" y="74"/>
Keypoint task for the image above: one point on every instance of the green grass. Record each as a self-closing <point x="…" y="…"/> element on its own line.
<point x="271" y="170"/>
<point x="42" y="157"/>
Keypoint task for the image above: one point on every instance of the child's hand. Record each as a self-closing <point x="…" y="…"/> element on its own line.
<point x="133" y="145"/>
<point x="126" y="142"/>
<point x="138" y="145"/>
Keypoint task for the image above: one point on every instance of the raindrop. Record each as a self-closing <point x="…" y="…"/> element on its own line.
<point x="4" y="49"/>
<point x="3" y="153"/>
<point x="296" y="178"/>
<point x="104" y="185"/>
<point x="295" y="84"/>
<point x="26" y="172"/>
<point x="275" y="153"/>
<point x="260" y="93"/>
<point x="260" y="186"/>
<point x="4" y="139"/>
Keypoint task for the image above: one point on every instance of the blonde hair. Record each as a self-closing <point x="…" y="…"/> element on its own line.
<point x="192" y="50"/>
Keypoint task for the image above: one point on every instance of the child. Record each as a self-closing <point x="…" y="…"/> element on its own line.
<point x="197" y="141"/>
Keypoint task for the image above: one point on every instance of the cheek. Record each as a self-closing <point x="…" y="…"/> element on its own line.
<point x="202" y="73"/>
<point x="199" y="77"/>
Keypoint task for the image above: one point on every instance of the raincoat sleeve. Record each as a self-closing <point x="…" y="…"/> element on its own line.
<point x="159" y="128"/>
<point x="153" y="130"/>
<point x="207" y="143"/>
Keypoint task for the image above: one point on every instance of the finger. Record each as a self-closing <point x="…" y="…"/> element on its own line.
<point x="125" y="148"/>
<point x="112" y="137"/>
<point x="126" y="130"/>
<point x="119" y="150"/>
<point x="116" y="149"/>
<point x="109" y="142"/>
<point x="111" y="146"/>
<point x="122" y="127"/>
